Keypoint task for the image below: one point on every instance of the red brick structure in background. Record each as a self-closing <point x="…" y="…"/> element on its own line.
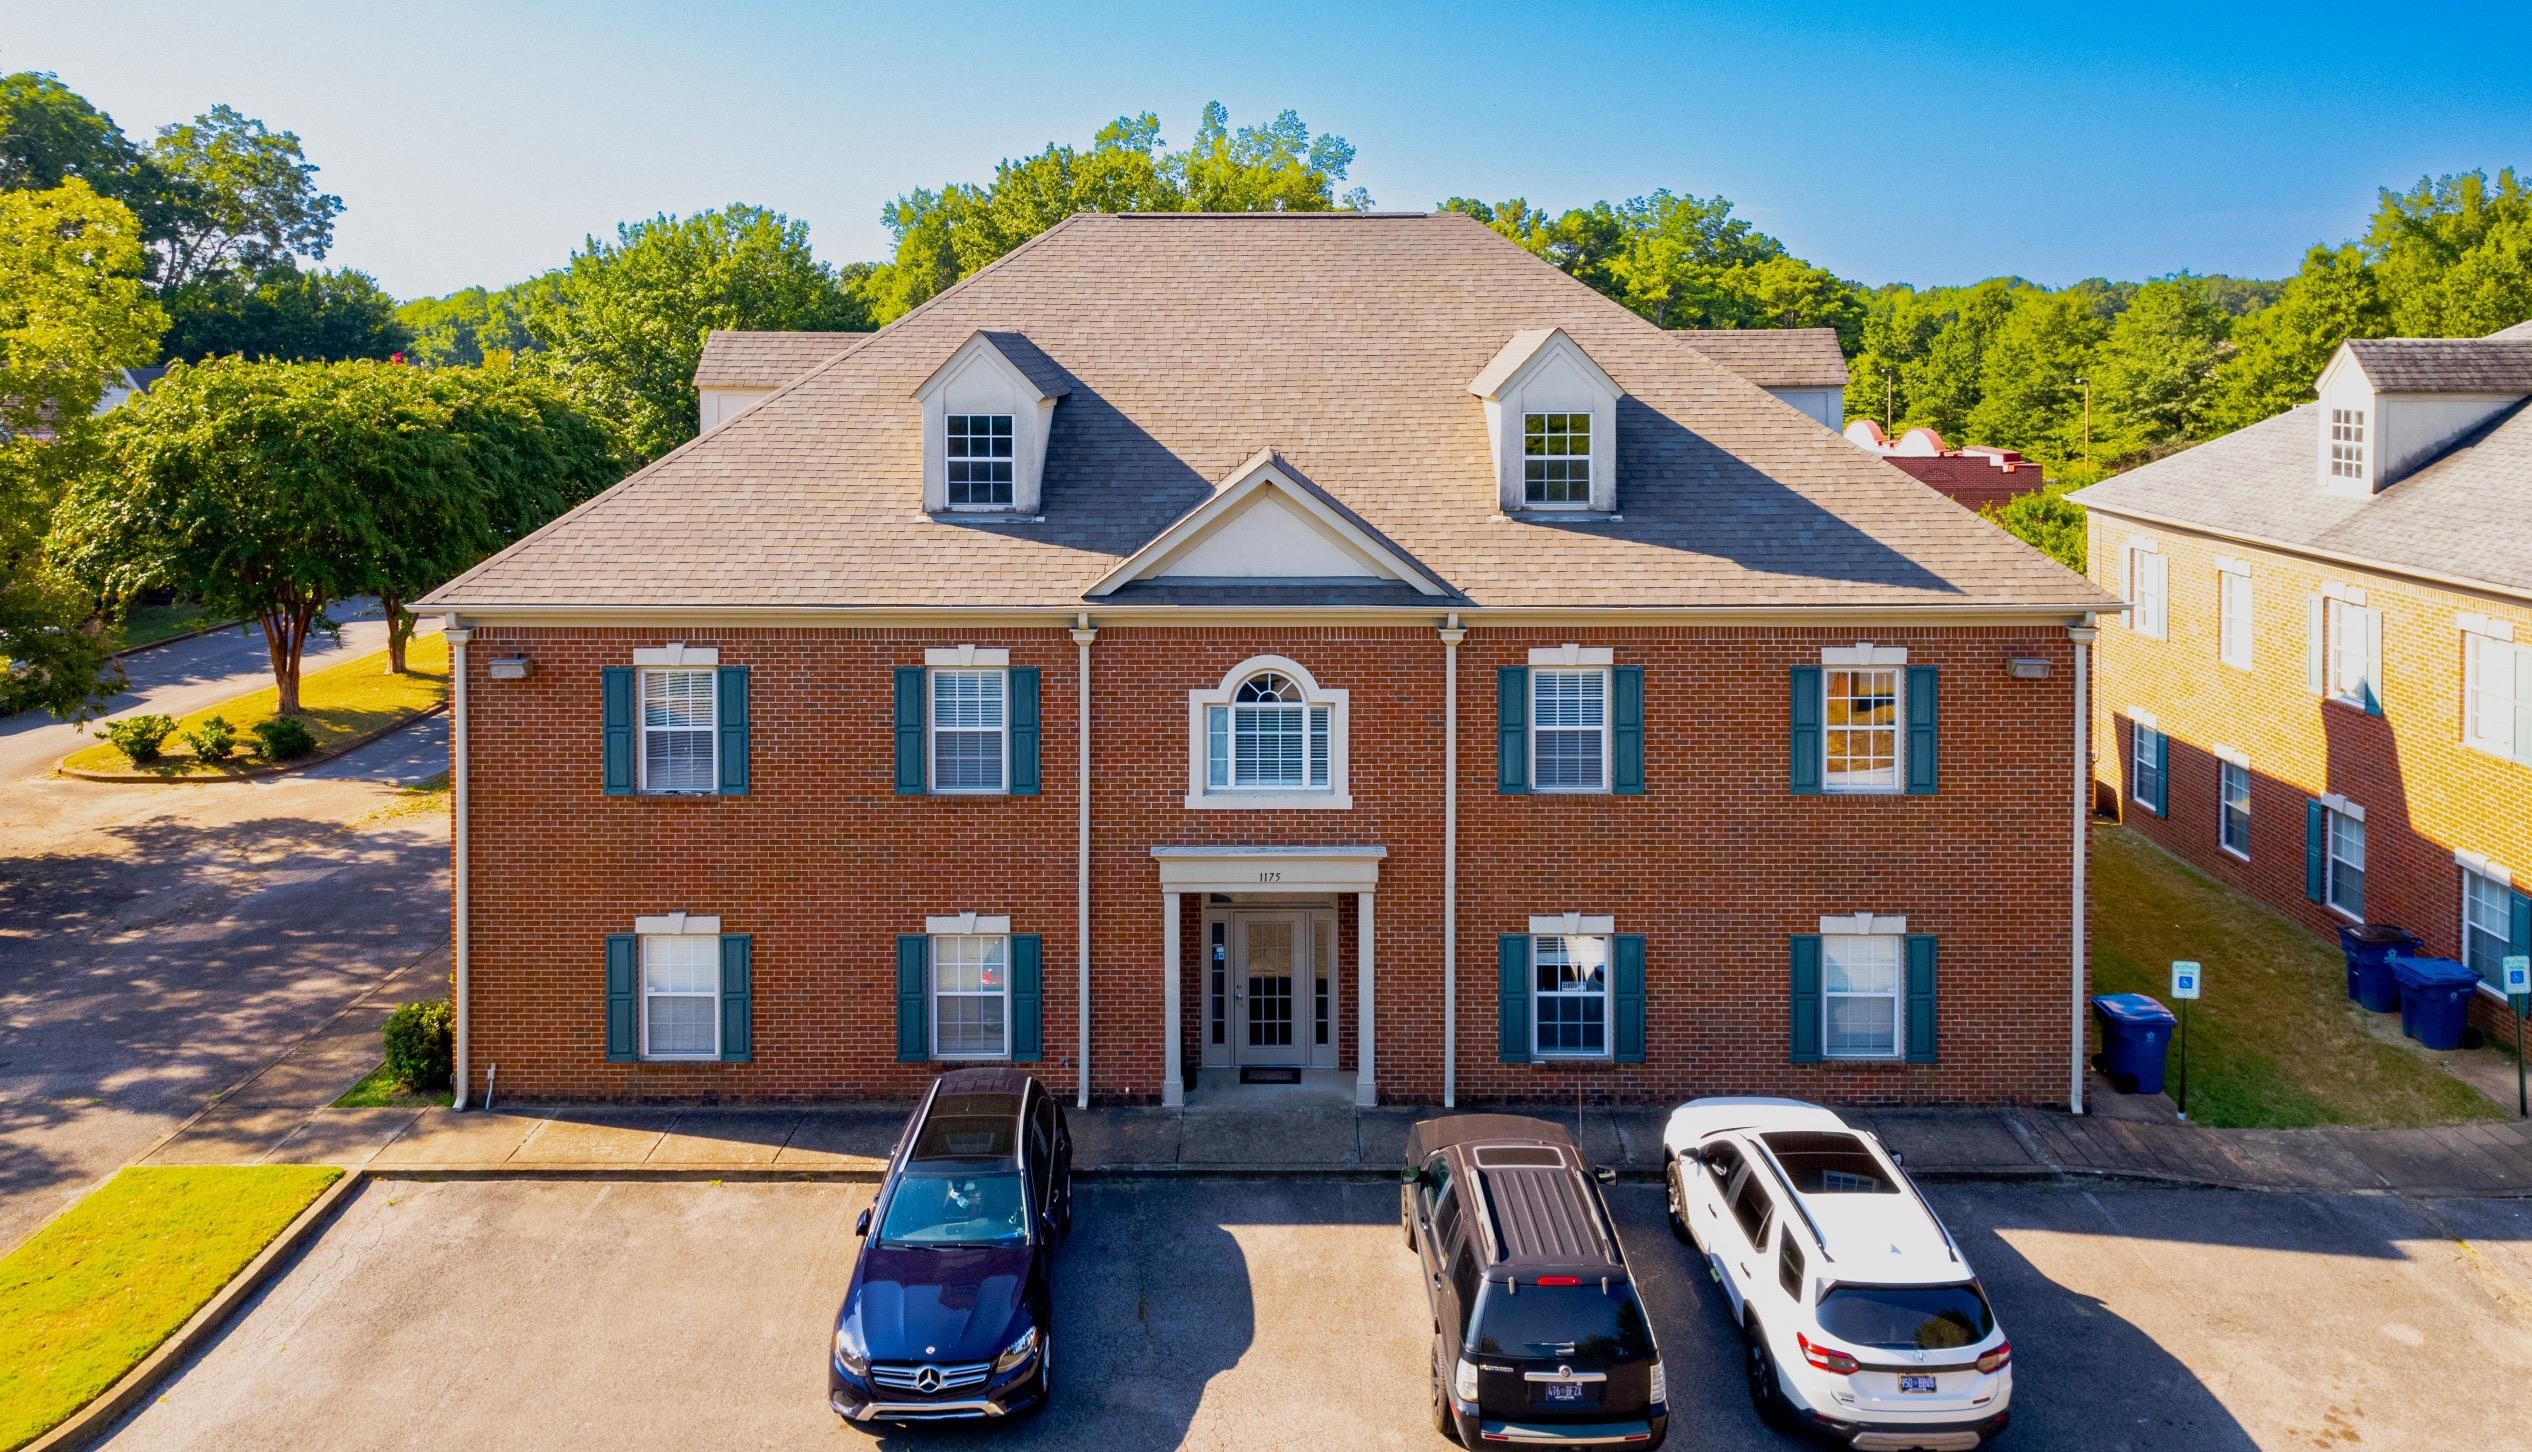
<point x="1737" y="551"/>
<point x="2412" y="565"/>
<point x="1973" y="478"/>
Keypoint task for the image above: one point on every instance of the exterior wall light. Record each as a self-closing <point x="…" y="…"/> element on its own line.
<point x="508" y="667"/>
<point x="2027" y="668"/>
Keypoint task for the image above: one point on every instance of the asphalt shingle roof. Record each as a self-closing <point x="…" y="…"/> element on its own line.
<point x="2462" y="515"/>
<point x="734" y="359"/>
<point x="1343" y="342"/>
<point x="1774" y="357"/>
<point x="2498" y="364"/>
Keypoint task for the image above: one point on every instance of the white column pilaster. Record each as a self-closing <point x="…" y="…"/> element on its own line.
<point x="1366" y="1018"/>
<point x="1173" y="1085"/>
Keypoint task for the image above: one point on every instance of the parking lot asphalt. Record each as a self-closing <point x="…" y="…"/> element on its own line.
<point x="1286" y="1314"/>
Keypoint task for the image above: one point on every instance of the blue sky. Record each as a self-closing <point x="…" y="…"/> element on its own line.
<point x="1935" y="143"/>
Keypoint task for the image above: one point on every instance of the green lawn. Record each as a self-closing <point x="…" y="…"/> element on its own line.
<point x="102" y="1286"/>
<point x="2274" y="1042"/>
<point x="150" y="624"/>
<point x="340" y="704"/>
<point x="379" y="1089"/>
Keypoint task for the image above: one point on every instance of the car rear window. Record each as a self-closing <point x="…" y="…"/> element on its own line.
<point x="1581" y="1321"/>
<point x="969" y="1126"/>
<point x="1829" y="1164"/>
<point x="1908" y="1318"/>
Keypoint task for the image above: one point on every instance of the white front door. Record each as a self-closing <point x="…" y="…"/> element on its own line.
<point x="1271" y="974"/>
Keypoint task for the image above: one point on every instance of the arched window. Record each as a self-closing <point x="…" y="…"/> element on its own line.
<point x="1268" y="737"/>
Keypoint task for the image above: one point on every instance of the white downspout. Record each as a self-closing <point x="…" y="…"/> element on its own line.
<point x="2082" y="636"/>
<point x="1452" y="635"/>
<point x="457" y="636"/>
<point x="1083" y="634"/>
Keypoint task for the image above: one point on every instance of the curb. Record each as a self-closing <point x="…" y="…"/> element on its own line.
<point x="93" y="1420"/>
<point x="249" y="773"/>
<point x="194" y="634"/>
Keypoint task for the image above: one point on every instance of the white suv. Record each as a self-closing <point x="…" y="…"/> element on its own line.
<point x="1859" y="1316"/>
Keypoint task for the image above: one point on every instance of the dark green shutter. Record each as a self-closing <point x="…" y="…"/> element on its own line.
<point x="616" y="713"/>
<point x="1028" y="997"/>
<point x="1024" y="731"/>
<point x="2373" y="661"/>
<point x="731" y="718"/>
<point x="1805" y="1002"/>
<point x="1626" y="731"/>
<point x="738" y="1000"/>
<point x="1512" y="998"/>
<point x="2518" y="930"/>
<point x="1626" y="1001"/>
<point x="1512" y="731"/>
<point x="914" y="1033"/>
<point x="623" y="951"/>
<point x="1921" y="740"/>
<point x="1808" y="758"/>
<point x="2316" y="861"/>
<point x="910" y="773"/>
<point x="1920" y="998"/>
<point x="2162" y="745"/>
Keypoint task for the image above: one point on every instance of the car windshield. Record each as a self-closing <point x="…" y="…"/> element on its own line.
<point x="978" y="1209"/>
<point x="1908" y="1318"/>
<point x="1582" y="1321"/>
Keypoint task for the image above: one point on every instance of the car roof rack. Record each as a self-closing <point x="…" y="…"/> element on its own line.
<point x="1768" y="1157"/>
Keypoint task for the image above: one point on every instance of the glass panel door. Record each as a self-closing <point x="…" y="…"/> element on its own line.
<point x="1272" y="950"/>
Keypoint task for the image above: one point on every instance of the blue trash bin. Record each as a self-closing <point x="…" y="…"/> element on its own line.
<point x="2136" y="1032"/>
<point x="2368" y="947"/>
<point x="2434" y="999"/>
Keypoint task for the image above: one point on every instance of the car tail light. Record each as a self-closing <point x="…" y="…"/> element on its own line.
<point x="1464" y="1383"/>
<point x="1660" y="1390"/>
<point x="1560" y="1280"/>
<point x="1997" y="1359"/>
<point x="1837" y="1362"/>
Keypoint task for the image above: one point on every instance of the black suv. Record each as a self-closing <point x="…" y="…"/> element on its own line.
<point x="1538" y="1334"/>
<point x="949" y="1311"/>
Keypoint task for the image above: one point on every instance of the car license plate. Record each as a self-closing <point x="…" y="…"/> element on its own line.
<point x="1564" y="1391"/>
<point x="1914" y="1382"/>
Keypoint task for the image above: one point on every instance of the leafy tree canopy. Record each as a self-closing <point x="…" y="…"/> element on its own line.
<point x="285" y="313"/>
<point x="473" y="325"/>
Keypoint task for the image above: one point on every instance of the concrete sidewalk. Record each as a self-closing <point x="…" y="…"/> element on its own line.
<point x="851" y="1141"/>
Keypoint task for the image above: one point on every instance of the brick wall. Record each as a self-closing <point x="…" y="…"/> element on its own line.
<point x="2425" y="794"/>
<point x="1716" y="863"/>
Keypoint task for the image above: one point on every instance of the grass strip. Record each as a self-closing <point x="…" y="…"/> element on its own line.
<point x="340" y="704"/>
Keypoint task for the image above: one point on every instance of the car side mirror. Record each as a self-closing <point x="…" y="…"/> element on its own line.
<point x="1409" y="1176"/>
<point x="1605" y="1175"/>
<point x="1897" y="1158"/>
<point x="1691" y="1157"/>
<point x="861" y="1222"/>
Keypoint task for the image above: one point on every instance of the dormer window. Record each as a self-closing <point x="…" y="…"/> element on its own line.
<point x="978" y="460"/>
<point x="1556" y="460"/>
<point x="2347" y="443"/>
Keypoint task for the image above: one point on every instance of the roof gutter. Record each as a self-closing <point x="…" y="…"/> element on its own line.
<point x="2507" y="593"/>
<point x="1435" y="613"/>
<point x="460" y="956"/>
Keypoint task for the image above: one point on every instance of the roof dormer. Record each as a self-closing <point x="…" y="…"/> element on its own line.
<point x="2389" y="405"/>
<point x="1552" y="421"/>
<point x="986" y="415"/>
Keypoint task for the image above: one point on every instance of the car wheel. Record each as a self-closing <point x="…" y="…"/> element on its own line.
<point x="1678" y="1202"/>
<point x="1767" y="1392"/>
<point x="1445" y="1421"/>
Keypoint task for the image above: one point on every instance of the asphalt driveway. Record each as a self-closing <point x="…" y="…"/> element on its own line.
<point x="1220" y="1314"/>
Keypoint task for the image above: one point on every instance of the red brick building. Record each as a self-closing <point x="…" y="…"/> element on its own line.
<point x="2323" y="693"/>
<point x="1339" y="648"/>
<point x="1973" y="478"/>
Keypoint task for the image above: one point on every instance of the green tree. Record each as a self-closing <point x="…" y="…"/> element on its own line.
<point x="2047" y="521"/>
<point x="284" y="313"/>
<point x="1942" y="383"/>
<point x="2030" y="380"/>
<point x="240" y="196"/>
<point x="49" y="134"/>
<point x="2279" y="351"/>
<point x="624" y="325"/>
<point x="2455" y="255"/>
<point x="72" y="310"/>
<point x="2156" y="369"/>
<point x="473" y="325"/>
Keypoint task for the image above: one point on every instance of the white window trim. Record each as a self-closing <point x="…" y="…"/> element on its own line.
<point x="2137" y="614"/>
<point x="932" y="727"/>
<point x="1608" y="725"/>
<point x="1017" y="442"/>
<point x="1590" y="458"/>
<point x="2338" y="806"/>
<point x="672" y="925"/>
<point x="2477" y="633"/>
<point x="2136" y="763"/>
<point x="1864" y="655"/>
<point x="2334" y="640"/>
<point x="1867" y="925"/>
<point x="642" y="728"/>
<point x="1604" y="929"/>
<point x="2229" y="584"/>
<point x="2226" y="756"/>
<point x="935" y="929"/>
<point x="2474" y="865"/>
<point x="1335" y="796"/>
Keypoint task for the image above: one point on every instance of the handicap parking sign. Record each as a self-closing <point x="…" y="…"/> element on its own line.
<point x="2518" y="976"/>
<point x="2184" y="980"/>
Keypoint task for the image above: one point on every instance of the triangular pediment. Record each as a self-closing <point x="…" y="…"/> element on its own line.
<point x="1267" y="523"/>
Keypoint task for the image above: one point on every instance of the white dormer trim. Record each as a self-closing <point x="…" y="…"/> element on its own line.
<point x="1262" y="474"/>
<point x="1542" y="370"/>
<point x="677" y="653"/>
<point x="980" y="378"/>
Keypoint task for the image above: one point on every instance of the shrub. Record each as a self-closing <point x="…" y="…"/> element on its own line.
<point x="213" y="740"/>
<point x="139" y="737"/>
<point x="283" y="738"/>
<point x="420" y="1045"/>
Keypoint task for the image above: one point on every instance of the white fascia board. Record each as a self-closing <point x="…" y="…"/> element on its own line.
<point x="678" y="925"/>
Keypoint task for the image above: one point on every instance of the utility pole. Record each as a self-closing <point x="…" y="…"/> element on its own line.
<point x="2087" y="383"/>
<point x="1889" y="402"/>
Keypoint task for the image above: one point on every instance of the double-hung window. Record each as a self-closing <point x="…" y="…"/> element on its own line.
<point x="2233" y="827"/>
<point x="1556" y="460"/>
<point x="681" y="995"/>
<point x="2146" y="781"/>
<point x="971" y="996"/>
<point x="970" y="729"/>
<point x="2347" y="443"/>
<point x="1860" y="987"/>
<point x="678" y="731"/>
<point x="1571" y="988"/>
<point x="2233" y="619"/>
<point x="979" y="460"/>
<point x="2345" y="867"/>
<point x="2497" y="696"/>
<point x="2149" y="593"/>
<point x="1863" y="727"/>
<point x="2350" y="655"/>
<point x="1267" y="737"/>
<point x="2488" y="927"/>
<point x="1569" y="729"/>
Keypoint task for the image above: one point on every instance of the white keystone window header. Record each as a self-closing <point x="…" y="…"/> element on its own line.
<point x="1864" y="653"/>
<point x="2481" y="625"/>
<point x="965" y="923"/>
<point x="1572" y="924"/>
<point x="2144" y="718"/>
<point x="966" y="655"/>
<point x="2228" y="565"/>
<point x="1863" y="925"/>
<point x="2145" y="542"/>
<point x="2343" y="807"/>
<point x="2233" y="755"/>
<point x="677" y="653"/>
<point x="678" y="925"/>
<point x="2353" y="595"/>
<point x="1571" y="654"/>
